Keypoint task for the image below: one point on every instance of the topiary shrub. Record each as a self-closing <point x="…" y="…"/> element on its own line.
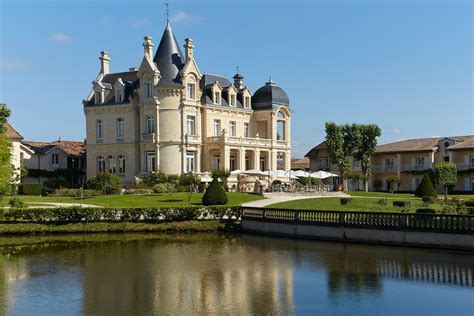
<point x="16" y="203"/>
<point x="426" y="188"/>
<point x="215" y="194"/>
<point x="425" y="211"/>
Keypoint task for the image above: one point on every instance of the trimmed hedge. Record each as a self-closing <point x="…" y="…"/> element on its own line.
<point x="401" y="204"/>
<point x="345" y="201"/>
<point x="89" y="214"/>
<point x="426" y="188"/>
<point x="215" y="194"/>
<point x="425" y="211"/>
<point x="30" y="189"/>
<point x="428" y="199"/>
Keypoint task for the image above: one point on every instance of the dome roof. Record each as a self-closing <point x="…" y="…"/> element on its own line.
<point x="268" y="96"/>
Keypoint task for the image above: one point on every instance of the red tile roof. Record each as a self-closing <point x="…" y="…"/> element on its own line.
<point x="71" y="148"/>
<point x="11" y="132"/>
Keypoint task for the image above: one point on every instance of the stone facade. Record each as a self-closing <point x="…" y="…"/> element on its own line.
<point x="167" y="116"/>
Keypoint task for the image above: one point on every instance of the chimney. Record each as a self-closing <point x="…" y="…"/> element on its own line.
<point x="104" y="62"/>
<point x="189" y="47"/>
<point x="148" y="46"/>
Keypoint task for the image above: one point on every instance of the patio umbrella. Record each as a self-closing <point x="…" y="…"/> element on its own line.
<point x="255" y="172"/>
<point x="237" y="171"/>
<point x="323" y="174"/>
<point x="301" y="174"/>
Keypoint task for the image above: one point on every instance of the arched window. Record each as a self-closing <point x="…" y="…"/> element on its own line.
<point x="112" y="164"/>
<point x="281" y="126"/>
<point x="100" y="164"/>
<point x="280" y="115"/>
<point x="121" y="164"/>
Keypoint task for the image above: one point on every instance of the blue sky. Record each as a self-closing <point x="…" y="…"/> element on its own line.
<point x="405" y="65"/>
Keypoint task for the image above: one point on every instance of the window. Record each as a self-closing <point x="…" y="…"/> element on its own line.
<point x="419" y="162"/>
<point x="446" y="158"/>
<point x="232" y="163"/>
<point x="217" y="97"/>
<point x="119" y="95"/>
<point x="100" y="164"/>
<point x="247" y="102"/>
<point x="232" y="131"/>
<point x="99" y="128"/>
<point x="471" y="160"/>
<point x="120" y="127"/>
<point x="150" y="125"/>
<point x="150" y="161"/>
<point x="190" y="161"/>
<point x="389" y="163"/>
<point x="262" y="163"/>
<point x="446" y="144"/>
<point x="191" y="125"/>
<point x="121" y="164"/>
<point x="217" y="127"/>
<point x="232" y="100"/>
<point x="280" y="130"/>
<point x="55" y="160"/>
<point x="247" y="163"/>
<point x="97" y="98"/>
<point x="216" y="159"/>
<point x="323" y="162"/>
<point x="191" y="91"/>
<point x="246" y="130"/>
<point x="148" y="90"/>
<point x="112" y="164"/>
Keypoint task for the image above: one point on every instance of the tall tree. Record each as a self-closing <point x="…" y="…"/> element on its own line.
<point x="342" y="141"/>
<point x="366" y="148"/>
<point x="6" y="170"/>
<point x="446" y="175"/>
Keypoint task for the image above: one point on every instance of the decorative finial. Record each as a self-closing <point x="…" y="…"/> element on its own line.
<point x="167" y="12"/>
<point x="237" y="69"/>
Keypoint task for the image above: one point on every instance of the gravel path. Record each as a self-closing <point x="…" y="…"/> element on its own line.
<point x="285" y="198"/>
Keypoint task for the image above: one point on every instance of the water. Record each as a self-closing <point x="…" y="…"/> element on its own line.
<point x="228" y="274"/>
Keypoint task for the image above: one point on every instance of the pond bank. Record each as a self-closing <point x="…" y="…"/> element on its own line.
<point x="193" y="226"/>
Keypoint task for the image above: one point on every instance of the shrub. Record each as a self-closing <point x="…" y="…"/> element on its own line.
<point x="55" y="183"/>
<point x="428" y="199"/>
<point x="426" y="211"/>
<point x="77" y="193"/>
<point x="215" y="194"/>
<point x="426" y="188"/>
<point x="382" y="202"/>
<point x="105" y="182"/>
<point x="401" y="203"/>
<point x="393" y="182"/>
<point x="30" y="189"/>
<point x="138" y="191"/>
<point x="378" y="184"/>
<point x="446" y="175"/>
<point x="164" y="188"/>
<point x="345" y="201"/>
<point x="469" y="203"/>
<point x="16" y="203"/>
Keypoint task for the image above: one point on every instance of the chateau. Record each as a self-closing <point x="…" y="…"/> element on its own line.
<point x="167" y="116"/>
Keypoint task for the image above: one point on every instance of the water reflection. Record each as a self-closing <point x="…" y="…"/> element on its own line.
<point x="206" y="274"/>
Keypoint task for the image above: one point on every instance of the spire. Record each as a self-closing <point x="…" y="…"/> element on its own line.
<point x="168" y="57"/>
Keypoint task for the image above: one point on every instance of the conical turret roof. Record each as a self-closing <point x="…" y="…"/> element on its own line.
<point x="168" y="57"/>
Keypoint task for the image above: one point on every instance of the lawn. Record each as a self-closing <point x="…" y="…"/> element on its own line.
<point x="155" y="200"/>
<point x="383" y="195"/>
<point x="357" y="204"/>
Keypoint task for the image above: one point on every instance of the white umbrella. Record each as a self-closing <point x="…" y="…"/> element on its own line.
<point x="255" y="172"/>
<point x="237" y="171"/>
<point x="300" y="173"/>
<point x="323" y="174"/>
<point x="206" y="179"/>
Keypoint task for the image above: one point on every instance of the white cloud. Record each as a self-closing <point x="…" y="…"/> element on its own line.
<point x="60" y="37"/>
<point x="141" y="23"/>
<point x="396" y="131"/>
<point x="14" y="64"/>
<point x="181" y="16"/>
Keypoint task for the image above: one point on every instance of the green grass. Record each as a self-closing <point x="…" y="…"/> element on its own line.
<point x="357" y="204"/>
<point x="383" y="194"/>
<point x="110" y="227"/>
<point x="155" y="200"/>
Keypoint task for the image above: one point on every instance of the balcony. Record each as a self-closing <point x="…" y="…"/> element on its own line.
<point x="384" y="168"/>
<point x="414" y="167"/>
<point x="193" y="139"/>
<point x="148" y="137"/>
<point x="242" y="141"/>
<point x="465" y="166"/>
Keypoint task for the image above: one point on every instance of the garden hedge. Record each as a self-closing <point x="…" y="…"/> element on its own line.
<point x="426" y="188"/>
<point x="94" y="214"/>
<point x="215" y="194"/>
<point x="30" y="189"/>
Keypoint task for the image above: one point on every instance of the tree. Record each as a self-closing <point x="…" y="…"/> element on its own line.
<point x="342" y="141"/>
<point x="366" y="148"/>
<point x="6" y="169"/>
<point x="393" y="181"/>
<point x="189" y="181"/>
<point x="446" y="174"/>
<point x="104" y="182"/>
<point x="215" y="194"/>
<point x="426" y="188"/>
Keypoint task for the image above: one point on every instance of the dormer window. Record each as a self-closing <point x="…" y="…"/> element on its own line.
<point x="217" y="97"/>
<point x="97" y="98"/>
<point x="191" y="90"/>
<point x="148" y="90"/>
<point x="247" y="102"/>
<point x="119" y="95"/>
<point x="233" y="100"/>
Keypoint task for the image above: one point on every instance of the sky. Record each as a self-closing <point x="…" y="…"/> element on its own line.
<point x="406" y="65"/>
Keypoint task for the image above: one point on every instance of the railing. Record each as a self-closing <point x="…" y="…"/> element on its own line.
<point x="239" y="140"/>
<point x="465" y="166"/>
<point x="441" y="223"/>
<point x="147" y="137"/>
<point x="384" y="168"/>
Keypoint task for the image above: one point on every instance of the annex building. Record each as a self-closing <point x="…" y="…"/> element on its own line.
<point x="168" y="116"/>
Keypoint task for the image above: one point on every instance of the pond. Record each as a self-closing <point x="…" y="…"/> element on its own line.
<point x="191" y="274"/>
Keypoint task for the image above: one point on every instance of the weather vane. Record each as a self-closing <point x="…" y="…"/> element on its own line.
<point x="167" y="11"/>
<point x="237" y="69"/>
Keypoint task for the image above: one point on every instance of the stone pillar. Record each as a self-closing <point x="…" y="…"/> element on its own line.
<point x="242" y="159"/>
<point x="399" y="165"/>
<point x="287" y="160"/>
<point x="198" y="160"/>
<point x="226" y="155"/>
<point x="256" y="158"/>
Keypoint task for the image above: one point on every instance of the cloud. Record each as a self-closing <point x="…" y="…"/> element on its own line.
<point x="396" y="131"/>
<point x="14" y="64"/>
<point x="181" y="16"/>
<point x="60" y="37"/>
<point x="141" y="23"/>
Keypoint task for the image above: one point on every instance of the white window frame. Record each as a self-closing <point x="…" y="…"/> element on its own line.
<point x="419" y="161"/>
<point x="233" y="100"/>
<point x="119" y="96"/>
<point x="149" y="124"/>
<point x="112" y="164"/>
<point x="216" y="161"/>
<point x="99" y="128"/>
<point x="97" y="97"/>
<point x="120" y="127"/>
<point x="232" y="128"/>
<point x="232" y="163"/>
<point x="55" y="160"/>
<point x="100" y="164"/>
<point x="217" y="127"/>
<point x="191" y="90"/>
<point x="217" y="97"/>
<point x="191" y="124"/>
<point x="247" y="102"/>
<point x="190" y="161"/>
<point x="246" y="130"/>
<point x="121" y="164"/>
<point x="150" y="161"/>
<point x="148" y="90"/>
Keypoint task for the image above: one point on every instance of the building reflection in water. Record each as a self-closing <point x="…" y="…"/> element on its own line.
<point x="209" y="274"/>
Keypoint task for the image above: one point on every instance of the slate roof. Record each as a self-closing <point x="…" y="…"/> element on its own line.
<point x="208" y="80"/>
<point x="316" y="148"/>
<point x="423" y="144"/>
<point x="71" y="148"/>
<point x="269" y="96"/>
<point x="168" y="57"/>
<point x="11" y="132"/>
